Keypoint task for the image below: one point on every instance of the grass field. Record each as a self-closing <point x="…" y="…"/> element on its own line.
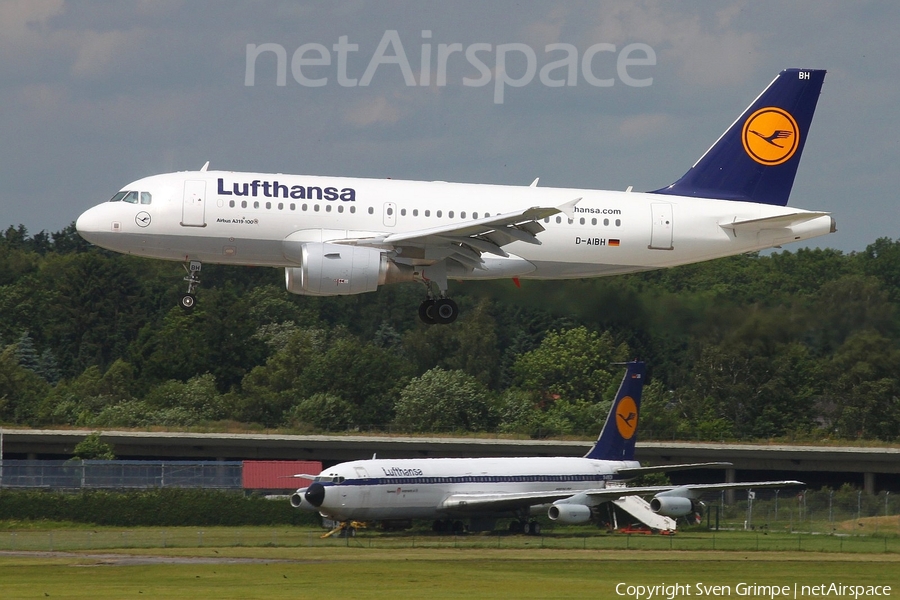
<point x="272" y="563"/>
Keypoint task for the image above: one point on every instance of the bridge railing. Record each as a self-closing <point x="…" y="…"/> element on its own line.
<point x="119" y="474"/>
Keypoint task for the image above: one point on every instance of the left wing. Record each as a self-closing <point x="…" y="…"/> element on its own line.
<point x="465" y="241"/>
<point x="514" y="500"/>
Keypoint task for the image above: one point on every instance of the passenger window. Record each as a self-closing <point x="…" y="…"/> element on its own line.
<point x="415" y="212"/>
<point x="327" y="208"/>
<point x="352" y="209"/>
<point x="281" y="206"/>
<point x="371" y="211"/>
<point x="594" y="221"/>
<point x="402" y="212"/>
<point x="118" y="197"/>
<point x="474" y="215"/>
<point x="618" y="222"/>
<point x="340" y="208"/>
<point x="145" y="198"/>
<point x="427" y="213"/>
<point x="256" y="204"/>
<point x="131" y="198"/>
<point x="268" y="206"/>
<point x="559" y="219"/>
<point x="606" y="222"/>
<point x="243" y="204"/>
<point x="462" y="215"/>
<point x="316" y="207"/>
<point x="231" y="203"/>
<point x="293" y="206"/>
<point x="450" y="214"/>
<point x="582" y="220"/>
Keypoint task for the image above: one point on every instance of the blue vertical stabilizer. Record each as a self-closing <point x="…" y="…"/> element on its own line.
<point x="756" y="159"/>
<point x="616" y="441"/>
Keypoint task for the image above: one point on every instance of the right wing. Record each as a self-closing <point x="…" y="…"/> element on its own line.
<point x="504" y="502"/>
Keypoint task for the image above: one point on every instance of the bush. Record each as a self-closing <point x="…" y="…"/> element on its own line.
<point x="151" y="508"/>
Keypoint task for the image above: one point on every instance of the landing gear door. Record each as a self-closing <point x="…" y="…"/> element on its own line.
<point x="661" y="229"/>
<point x="193" y="211"/>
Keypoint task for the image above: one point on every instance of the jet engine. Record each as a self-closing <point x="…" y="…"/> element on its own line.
<point x="298" y="500"/>
<point x="336" y="270"/>
<point x="570" y="514"/>
<point x="672" y="506"/>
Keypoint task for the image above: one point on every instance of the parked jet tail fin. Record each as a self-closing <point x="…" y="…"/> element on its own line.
<point x="756" y="159"/>
<point x="619" y="434"/>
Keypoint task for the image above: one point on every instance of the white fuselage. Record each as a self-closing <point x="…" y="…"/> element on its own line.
<point x="384" y="490"/>
<point x="246" y="218"/>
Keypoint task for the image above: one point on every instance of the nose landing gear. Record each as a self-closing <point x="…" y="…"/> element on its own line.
<point x="188" y="300"/>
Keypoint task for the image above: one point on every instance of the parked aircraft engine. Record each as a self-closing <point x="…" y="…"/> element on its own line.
<point x="338" y="270"/>
<point x="298" y="500"/>
<point x="672" y="506"/>
<point x="570" y="514"/>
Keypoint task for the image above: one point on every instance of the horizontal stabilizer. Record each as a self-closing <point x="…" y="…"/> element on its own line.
<point x="779" y="222"/>
<point x="636" y="471"/>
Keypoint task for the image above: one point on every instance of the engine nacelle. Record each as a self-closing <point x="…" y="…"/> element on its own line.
<point x="336" y="270"/>
<point x="570" y="514"/>
<point x="298" y="500"/>
<point x="672" y="506"/>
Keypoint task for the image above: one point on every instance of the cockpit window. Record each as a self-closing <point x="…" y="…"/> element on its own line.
<point x="145" y="198"/>
<point x="118" y="197"/>
<point x="131" y="198"/>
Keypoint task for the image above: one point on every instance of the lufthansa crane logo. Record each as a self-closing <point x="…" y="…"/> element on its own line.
<point x="626" y="417"/>
<point x="771" y="136"/>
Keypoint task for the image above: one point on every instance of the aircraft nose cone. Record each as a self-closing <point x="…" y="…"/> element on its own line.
<point x="315" y="494"/>
<point x="87" y="223"/>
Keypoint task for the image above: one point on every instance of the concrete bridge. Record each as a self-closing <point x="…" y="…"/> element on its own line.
<point x="873" y="469"/>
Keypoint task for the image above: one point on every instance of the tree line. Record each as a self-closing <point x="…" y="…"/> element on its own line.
<point x="800" y="345"/>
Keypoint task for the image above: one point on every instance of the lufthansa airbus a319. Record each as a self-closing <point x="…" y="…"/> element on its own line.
<point x="337" y="236"/>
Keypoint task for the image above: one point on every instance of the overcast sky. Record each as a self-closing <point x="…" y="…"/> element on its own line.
<point x="97" y="94"/>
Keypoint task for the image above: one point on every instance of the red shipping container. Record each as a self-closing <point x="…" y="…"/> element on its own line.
<point x="278" y="474"/>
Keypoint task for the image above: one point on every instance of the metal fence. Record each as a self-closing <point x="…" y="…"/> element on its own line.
<point x="119" y="474"/>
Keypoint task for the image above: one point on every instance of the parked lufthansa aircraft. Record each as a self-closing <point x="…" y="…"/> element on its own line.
<point x="570" y="490"/>
<point x="336" y="236"/>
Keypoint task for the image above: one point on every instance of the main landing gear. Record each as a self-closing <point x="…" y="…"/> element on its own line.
<point x="437" y="309"/>
<point x="527" y="527"/>
<point x="188" y="300"/>
<point x="441" y="311"/>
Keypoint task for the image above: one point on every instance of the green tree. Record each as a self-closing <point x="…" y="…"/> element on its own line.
<point x="93" y="448"/>
<point x="572" y="365"/>
<point x="440" y="401"/>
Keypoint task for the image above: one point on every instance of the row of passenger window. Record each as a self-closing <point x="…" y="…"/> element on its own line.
<point x="390" y="211"/>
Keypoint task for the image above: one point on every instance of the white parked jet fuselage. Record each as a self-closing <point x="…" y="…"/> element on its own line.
<point x="337" y="236"/>
<point x="397" y="489"/>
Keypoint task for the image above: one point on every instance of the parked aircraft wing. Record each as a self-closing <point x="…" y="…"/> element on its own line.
<point x="506" y="502"/>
